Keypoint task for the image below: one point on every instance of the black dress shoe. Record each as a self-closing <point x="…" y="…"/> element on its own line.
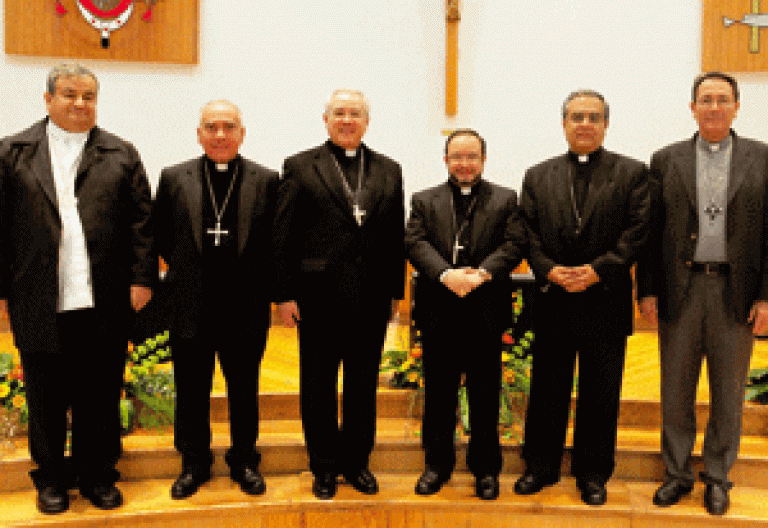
<point x="531" y="483"/>
<point x="487" y="487"/>
<point x="250" y="480"/>
<point x="52" y="499"/>
<point x="188" y="483"/>
<point x="104" y="496"/>
<point x="324" y="486"/>
<point x="671" y="492"/>
<point x="716" y="499"/>
<point x="429" y="483"/>
<point x="593" y="493"/>
<point x="363" y="481"/>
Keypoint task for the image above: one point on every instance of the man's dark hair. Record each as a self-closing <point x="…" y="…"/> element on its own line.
<point x="585" y="93"/>
<point x="465" y="132"/>
<point x="715" y="75"/>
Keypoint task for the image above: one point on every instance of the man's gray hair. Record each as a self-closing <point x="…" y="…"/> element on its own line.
<point x="355" y="93"/>
<point x="68" y="69"/>
<point x="585" y="93"/>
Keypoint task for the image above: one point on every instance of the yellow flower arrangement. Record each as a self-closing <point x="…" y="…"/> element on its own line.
<point x="5" y="390"/>
<point x="19" y="401"/>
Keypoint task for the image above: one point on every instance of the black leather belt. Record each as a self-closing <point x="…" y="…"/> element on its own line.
<point x="710" y="268"/>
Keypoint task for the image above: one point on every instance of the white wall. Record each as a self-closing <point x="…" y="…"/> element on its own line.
<point x="279" y="59"/>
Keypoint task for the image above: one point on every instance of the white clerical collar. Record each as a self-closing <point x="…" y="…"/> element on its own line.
<point x="723" y="144"/>
<point x="583" y="158"/>
<point x="466" y="191"/>
<point x="58" y="134"/>
<point x="350" y="153"/>
<point x="221" y="167"/>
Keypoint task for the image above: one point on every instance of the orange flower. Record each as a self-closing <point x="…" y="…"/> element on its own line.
<point x="507" y="339"/>
<point x="413" y="377"/>
<point x="509" y="376"/>
<point x="19" y="401"/>
<point x="416" y="352"/>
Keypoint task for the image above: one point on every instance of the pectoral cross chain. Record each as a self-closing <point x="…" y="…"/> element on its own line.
<point x="713" y="210"/>
<point x="217" y="232"/>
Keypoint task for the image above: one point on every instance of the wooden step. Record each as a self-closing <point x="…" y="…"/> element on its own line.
<point x="151" y="455"/>
<point x="289" y="503"/>
<point x="401" y="403"/>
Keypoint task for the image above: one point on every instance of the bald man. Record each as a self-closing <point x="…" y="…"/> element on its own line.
<point x="213" y="228"/>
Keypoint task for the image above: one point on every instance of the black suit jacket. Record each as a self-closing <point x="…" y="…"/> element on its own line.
<point x="320" y="251"/>
<point x="665" y="273"/>
<point x="178" y="221"/>
<point x="114" y="203"/>
<point x="613" y="231"/>
<point x="497" y="244"/>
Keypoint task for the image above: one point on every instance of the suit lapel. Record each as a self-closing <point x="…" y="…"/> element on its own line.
<point x="248" y="195"/>
<point x="92" y="154"/>
<point x="373" y="181"/>
<point x="686" y="168"/>
<point x="444" y="211"/>
<point x="193" y="194"/>
<point x="42" y="168"/>
<point x="480" y="216"/>
<point x="560" y="187"/>
<point x="741" y="162"/>
<point x="329" y="175"/>
<point x="601" y="178"/>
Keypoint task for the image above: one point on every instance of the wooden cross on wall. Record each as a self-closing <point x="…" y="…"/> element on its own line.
<point x="452" y="17"/>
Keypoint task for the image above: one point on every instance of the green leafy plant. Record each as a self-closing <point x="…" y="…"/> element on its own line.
<point x="757" y="386"/>
<point x="150" y="386"/>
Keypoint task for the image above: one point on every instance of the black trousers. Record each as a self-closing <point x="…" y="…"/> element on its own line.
<point x="194" y="366"/>
<point x="449" y="351"/>
<point x="86" y="377"/>
<point x="340" y="446"/>
<point x="601" y="351"/>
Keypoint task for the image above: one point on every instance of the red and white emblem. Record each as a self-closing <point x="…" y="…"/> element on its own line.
<point x="107" y="15"/>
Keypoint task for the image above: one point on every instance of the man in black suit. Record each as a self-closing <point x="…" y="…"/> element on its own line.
<point x="339" y="252"/>
<point x="707" y="274"/>
<point x="587" y="218"/>
<point x="464" y="237"/>
<point x="213" y="227"/>
<point x="75" y="239"/>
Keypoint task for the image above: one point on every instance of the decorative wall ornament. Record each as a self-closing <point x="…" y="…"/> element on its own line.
<point x="106" y="16"/>
<point x="730" y="35"/>
<point x="115" y="30"/>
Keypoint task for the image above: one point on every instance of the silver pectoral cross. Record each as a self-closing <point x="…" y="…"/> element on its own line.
<point x="217" y="232"/>
<point x="358" y="214"/>
<point x="456" y="248"/>
<point x="713" y="210"/>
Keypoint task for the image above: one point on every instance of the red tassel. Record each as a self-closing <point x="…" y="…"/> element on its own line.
<point x="60" y="9"/>
<point x="147" y="17"/>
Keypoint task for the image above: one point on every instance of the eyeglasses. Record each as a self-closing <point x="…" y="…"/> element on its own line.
<point x="467" y="157"/>
<point x="580" y="117"/>
<point x="721" y="100"/>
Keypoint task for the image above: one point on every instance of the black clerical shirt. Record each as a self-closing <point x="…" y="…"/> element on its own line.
<point x="219" y="261"/>
<point x="350" y="165"/>
<point x="461" y="205"/>
<point x="581" y="175"/>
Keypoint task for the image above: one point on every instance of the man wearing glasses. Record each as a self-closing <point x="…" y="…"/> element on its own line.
<point x="705" y="280"/>
<point x="587" y="216"/>
<point x="464" y="237"/>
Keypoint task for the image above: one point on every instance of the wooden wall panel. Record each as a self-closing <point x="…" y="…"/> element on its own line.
<point x="737" y="47"/>
<point x="34" y="28"/>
